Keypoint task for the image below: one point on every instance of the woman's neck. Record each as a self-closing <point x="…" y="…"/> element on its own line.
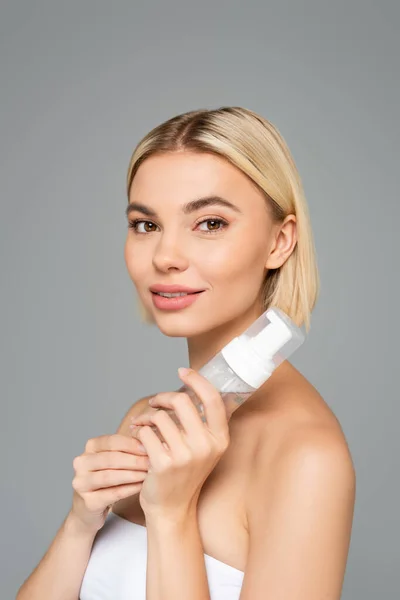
<point x="203" y="347"/>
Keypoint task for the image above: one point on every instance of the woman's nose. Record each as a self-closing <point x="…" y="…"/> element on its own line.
<point x="169" y="253"/>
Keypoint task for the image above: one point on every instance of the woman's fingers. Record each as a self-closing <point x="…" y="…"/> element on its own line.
<point x="113" y="443"/>
<point x="208" y="395"/>
<point x="170" y="432"/>
<point x="110" y="460"/>
<point x="190" y="417"/>
<point x="111" y="468"/>
<point x="89" y="482"/>
<point x="108" y="496"/>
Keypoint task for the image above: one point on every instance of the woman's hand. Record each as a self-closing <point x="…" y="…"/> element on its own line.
<point x="150" y="410"/>
<point x="112" y="467"/>
<point x="180" y="465"/>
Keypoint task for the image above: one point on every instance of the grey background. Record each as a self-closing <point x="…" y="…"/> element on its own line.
<point x="80" y="83"/>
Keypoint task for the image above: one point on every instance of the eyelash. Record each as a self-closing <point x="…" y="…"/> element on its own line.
<point x="132" y="225"/>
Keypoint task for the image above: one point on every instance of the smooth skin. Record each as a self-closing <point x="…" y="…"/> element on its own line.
<point x="302" y="490"/>
<point x="300" y="503"/>
<point x="111" y="468"/>
<point x="180" y="466"/>
<point x="302" y="486"/>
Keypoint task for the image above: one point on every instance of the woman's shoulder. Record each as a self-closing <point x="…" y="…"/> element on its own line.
<point x="289" y="399"/>
<point x="302" y="479"/>
<point x="295" y="420"/>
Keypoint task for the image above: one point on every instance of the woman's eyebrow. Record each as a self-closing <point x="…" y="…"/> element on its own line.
<point x="186" y="208"/>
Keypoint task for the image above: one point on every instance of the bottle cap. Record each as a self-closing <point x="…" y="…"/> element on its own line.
<point x="256" y="353"/>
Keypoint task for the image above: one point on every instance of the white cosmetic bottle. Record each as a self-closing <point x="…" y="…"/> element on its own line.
<point x="248" y="360"/>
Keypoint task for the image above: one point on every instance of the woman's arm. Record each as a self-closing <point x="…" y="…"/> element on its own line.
<point x="59" y="574"/>
<point x="300" y="519"/>
<point x="175" y="559"/>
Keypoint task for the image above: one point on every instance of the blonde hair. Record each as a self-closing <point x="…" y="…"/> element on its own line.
<point x="255" y="146"/>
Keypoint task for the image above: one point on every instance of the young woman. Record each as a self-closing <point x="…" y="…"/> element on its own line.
<point x="256" y="501"/>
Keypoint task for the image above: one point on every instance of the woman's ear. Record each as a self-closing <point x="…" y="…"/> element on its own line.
<point x="285" y="240"/>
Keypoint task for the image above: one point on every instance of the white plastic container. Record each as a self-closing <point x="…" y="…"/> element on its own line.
<point x="249" y="359"/>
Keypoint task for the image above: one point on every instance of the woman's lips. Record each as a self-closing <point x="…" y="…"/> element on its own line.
<point x="176" y="303"/>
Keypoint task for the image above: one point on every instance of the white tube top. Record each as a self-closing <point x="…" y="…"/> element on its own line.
<point x="117" y="566"/>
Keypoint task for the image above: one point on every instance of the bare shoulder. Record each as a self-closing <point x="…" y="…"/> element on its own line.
<point x="135" y="410"/>
<point x="298" y="434"/>
<point x="301" y="494"/>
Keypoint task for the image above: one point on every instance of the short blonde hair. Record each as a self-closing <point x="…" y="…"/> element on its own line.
<point x="255" y="146"/>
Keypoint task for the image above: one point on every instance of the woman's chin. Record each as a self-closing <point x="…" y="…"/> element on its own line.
<point x="178" y="325"/>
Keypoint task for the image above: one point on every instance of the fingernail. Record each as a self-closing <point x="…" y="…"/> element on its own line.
<point x="183" y="371"/>
<point x="142" y="448"/>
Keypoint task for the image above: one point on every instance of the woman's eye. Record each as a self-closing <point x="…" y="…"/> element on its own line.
<point x="214" y="222"/>
<point x="216" y="225"/>
<point x="134" y="224"/>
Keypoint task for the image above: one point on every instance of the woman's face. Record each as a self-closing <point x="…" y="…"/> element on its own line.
<point x="215" y="248"/>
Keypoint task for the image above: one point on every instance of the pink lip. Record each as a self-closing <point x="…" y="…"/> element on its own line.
<point x="173" y="289"/>
<point x="174" y="303"/>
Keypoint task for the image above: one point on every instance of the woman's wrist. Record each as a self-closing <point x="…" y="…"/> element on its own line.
<point x="75" y="527"/>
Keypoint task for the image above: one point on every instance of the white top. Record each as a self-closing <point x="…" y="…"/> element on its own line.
<point x="118" y="562"/>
